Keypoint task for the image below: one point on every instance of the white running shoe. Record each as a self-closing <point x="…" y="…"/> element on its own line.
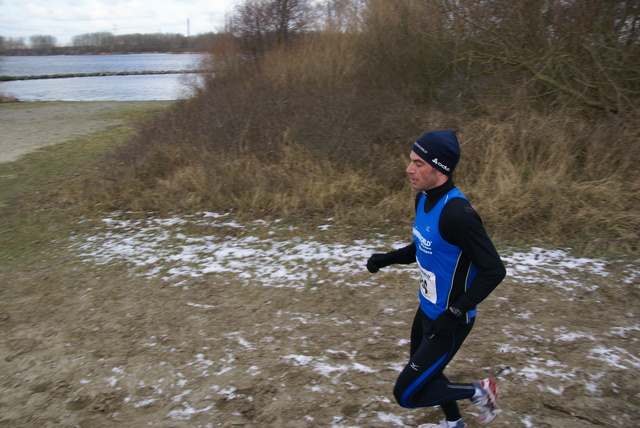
<point x="487" y="404"/>
<point x="444" y="424"/>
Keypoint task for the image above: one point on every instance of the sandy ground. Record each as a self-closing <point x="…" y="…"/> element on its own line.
<point x="102" y="339"/>
<point x="35" y="125"/>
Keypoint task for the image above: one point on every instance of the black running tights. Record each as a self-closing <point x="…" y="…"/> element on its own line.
<point x="422" y="383"/>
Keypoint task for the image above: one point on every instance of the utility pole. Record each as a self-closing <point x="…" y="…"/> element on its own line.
<point x="188" y="35"/>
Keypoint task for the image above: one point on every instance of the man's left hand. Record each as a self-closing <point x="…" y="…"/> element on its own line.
<point x="444" y="325"/>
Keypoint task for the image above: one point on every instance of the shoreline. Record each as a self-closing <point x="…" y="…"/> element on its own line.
<point x="30" y="125"/>
<point x="97" y="74"/>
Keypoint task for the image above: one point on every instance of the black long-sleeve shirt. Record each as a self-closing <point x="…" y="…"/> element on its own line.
<point x="460" y="225"/>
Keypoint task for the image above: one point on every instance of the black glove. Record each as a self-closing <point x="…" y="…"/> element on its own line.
<point x="377" y="261"/>
<point x="402" y="256"/>
<point x="444" y="325"/>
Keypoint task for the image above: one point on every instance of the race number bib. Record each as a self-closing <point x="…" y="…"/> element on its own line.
<point x="428" y="285"/>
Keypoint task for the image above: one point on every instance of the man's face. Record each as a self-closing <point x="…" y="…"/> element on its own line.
<point x="423" y="176"/>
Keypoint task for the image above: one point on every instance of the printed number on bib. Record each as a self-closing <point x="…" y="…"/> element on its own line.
<point x="428" y="285"/>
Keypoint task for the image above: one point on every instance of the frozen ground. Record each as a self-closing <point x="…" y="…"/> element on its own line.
<point x="215" y="323"/>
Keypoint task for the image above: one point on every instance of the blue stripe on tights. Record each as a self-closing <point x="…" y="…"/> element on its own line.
<point x="415" y="386"/>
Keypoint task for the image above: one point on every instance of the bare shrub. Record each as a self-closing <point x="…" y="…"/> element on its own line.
<point x="553" y="176"/>
<point x="323" y="125"/>
<point x="579" y="54"/>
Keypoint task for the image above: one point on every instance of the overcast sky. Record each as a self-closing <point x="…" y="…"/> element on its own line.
<point x="64" y="19"/>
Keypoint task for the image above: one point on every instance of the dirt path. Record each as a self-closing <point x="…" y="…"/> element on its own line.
<point x="196" y="322"/>
<point x="228" y="331"/>
<point x="28" y="126"/>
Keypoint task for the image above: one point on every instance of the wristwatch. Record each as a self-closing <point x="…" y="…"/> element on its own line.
<point x="457" y="313"/>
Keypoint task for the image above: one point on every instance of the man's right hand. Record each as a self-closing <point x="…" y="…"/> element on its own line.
<point x="377" y="261"/>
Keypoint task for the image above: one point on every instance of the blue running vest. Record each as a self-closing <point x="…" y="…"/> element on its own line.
<point x="439" y="262"/>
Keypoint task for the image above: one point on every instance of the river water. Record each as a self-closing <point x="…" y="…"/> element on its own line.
<point x="100" y="88"/>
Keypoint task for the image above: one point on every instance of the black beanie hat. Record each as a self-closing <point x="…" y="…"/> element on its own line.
<point x="440" y="149"/>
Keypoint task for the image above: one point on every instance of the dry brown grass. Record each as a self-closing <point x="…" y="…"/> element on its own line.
<point x="554" y="177"/>
<point x="324" y="126"/>
<point x="530" y="175"/>
<point x="6" y="99"/>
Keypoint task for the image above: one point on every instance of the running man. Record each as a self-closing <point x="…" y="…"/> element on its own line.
<point x="458" y="267"/>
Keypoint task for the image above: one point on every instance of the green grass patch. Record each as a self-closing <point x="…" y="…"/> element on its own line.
<point x="37" y="214"/>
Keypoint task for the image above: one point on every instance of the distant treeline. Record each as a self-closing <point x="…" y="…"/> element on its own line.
<point x="108" y="43"/>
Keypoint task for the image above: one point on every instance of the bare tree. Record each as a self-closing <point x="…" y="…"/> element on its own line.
<point x="250" y="25"/>
<point x="40" y="41"/>
<point x="289" y="18"/>
<point x="17" y="43"/>
<point x="264" y="24"/>
<point x="587" y="51"/>
<point x="103" y="38"/>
